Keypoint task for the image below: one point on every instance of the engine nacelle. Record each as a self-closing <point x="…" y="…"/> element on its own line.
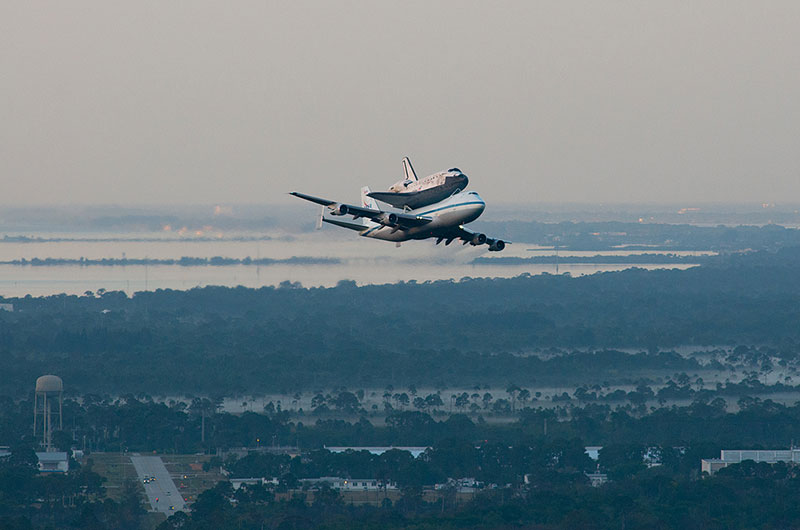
<point x="478" y="239"/>
<point x="338" y="209"/>
<point x="496" y="245"/>
<point x="387" y="219"/>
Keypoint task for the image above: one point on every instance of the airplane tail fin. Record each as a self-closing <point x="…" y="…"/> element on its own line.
<point x="320" y="218"/>
<point x="366" y="200"/>
<point x="408" y="169"/>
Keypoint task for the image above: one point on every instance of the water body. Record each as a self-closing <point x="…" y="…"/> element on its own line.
<point x="360" y="260"/>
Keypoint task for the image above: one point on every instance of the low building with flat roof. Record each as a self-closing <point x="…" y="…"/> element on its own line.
<point x="350" y="484"/>
<point x="737" y="456"/>
<point x="53" y="462"/>
<point x="238" y="482"/>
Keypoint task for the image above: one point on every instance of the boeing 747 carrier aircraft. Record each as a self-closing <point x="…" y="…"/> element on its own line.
<point x="443" y="220"/>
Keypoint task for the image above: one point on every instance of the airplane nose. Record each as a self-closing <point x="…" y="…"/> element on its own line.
<point x="476" y="209"/>
<point x="479" y="206"/>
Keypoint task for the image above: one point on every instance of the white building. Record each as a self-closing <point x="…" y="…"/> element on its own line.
<point x="596" y="479"/>
<point x="737" y="456"/>
<point x="462" y="485"/>
<point x="337" y="483"/>
<point x="237" y="482"/>
<point x="350" y="484"/>
<point x="7" y="307"/>
<point x="593" y="451"/>
<point x="53" y="462"/>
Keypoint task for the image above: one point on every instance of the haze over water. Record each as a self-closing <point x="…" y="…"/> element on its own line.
<point x="363" y="261"/>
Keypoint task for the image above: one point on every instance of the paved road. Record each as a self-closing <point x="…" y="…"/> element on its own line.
<point x="161" y="492"/>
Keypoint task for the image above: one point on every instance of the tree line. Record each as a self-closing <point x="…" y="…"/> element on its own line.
<point x="532" y="469"/>
<point x="218" y="340"/>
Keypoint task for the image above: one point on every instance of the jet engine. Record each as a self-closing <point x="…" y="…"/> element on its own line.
<point x="387" y="219"/>
<point x="338" y="209"/>
<point x="496" y="245"/>
<point x="478" y="239"/>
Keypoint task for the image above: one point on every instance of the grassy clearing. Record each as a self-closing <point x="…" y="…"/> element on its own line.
<point x="115" y="468"/>
<point x="187" y="472"/>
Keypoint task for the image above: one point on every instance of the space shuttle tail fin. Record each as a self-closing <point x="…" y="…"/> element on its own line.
<point x="408" y="169"/>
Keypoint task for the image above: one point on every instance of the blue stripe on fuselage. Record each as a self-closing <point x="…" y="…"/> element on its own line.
<point x="451" y="206"/>
<point x="441" y="208"/>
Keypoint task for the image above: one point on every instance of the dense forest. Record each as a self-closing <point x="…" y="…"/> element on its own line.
<point x="742" y="497"/>
<point x="532" y="469"/>
<point x="113" y="350"/>
<point x="474" y="331"/>
<point x="749" y="496"/>
<point x="104" y="425"/>
<point x="613" y="235"/>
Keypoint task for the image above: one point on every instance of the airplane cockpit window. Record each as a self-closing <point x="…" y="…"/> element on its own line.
<point x="454" y="170"/>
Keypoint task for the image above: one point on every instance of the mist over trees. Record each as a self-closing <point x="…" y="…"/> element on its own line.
<point x="226" y="340"/>
<point x="612" y="235"/>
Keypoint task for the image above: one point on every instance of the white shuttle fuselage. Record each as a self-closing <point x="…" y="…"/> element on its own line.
<point x="412" y="193"/>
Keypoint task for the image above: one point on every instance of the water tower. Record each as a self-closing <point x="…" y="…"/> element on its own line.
<point x="49" y="389"/>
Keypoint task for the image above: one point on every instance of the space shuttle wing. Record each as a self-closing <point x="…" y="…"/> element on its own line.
<point x="398" y="200"/>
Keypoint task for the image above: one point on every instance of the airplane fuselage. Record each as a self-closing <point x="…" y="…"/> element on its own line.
<point x="442" y="219"/>
<point x="454" y="211"/>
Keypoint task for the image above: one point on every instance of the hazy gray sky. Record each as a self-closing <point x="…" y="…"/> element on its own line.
<point x="205" y="102"/>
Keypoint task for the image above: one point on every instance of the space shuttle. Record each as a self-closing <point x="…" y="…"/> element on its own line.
<point x="412" y="193"/>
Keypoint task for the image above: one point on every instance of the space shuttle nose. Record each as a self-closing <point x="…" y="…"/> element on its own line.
<point x="458" y="180"/>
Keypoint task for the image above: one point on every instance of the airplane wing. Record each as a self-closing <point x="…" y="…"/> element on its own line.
<point x="468" y="236"/>
<point x="401" y="221"/>
<point x="342" y="209"/>
<point x="411" y="221"/>
<point x="323" y="202"/>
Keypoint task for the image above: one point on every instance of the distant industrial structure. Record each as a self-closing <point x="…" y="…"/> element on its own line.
<point x="336" y="483"/>
<point x="415" y="451"/>
<point x="350" y="484"/>
<point x="49" y="393"/>
<point x="737" y="456"/>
